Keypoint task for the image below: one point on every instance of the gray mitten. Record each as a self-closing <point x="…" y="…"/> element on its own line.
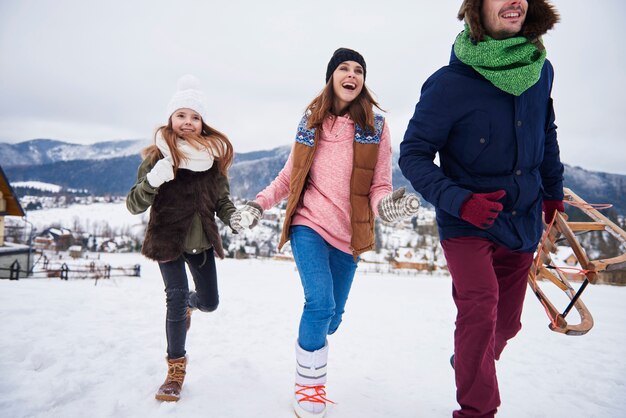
<point x="397" y="205"/>
<point x="246" y="217"/>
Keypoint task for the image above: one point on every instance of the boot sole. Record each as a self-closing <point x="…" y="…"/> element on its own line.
<point x="301" y="413"/>
<point x="167" y="398"/>
<point x="304" y="416"/>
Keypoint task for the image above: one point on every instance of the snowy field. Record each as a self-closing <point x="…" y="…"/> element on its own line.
<point x="72" y="349"/>
<point x="90" y="217"/>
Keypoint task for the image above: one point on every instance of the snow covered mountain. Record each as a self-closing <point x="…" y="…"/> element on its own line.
<point x="111" y="167"/>
<point x="47" y="151"/>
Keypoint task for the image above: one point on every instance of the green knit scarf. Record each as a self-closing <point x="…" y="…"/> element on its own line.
<point x="513" y="65"/>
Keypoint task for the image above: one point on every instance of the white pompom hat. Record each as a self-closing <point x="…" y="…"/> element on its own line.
<point x="189" y="96"/>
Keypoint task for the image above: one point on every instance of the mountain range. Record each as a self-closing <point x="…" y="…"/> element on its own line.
<point x="111" y="168"/>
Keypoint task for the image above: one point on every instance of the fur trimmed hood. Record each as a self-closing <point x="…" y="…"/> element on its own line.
<point x="541" y="16"/>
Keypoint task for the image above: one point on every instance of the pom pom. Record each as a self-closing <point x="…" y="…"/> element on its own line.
<point x="188" y="82"/>
<point x="188" y="96"/>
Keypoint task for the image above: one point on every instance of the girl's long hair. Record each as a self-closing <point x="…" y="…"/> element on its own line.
<point x="213" y="140"/>
<point x="360" y="109"/>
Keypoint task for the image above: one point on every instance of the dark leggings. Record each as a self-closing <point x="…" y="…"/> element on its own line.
<point x="178" y="296"/>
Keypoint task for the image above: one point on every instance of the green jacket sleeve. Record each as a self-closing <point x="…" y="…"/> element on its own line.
<point x="225" y="206"/>
<point x="141" y="195"/>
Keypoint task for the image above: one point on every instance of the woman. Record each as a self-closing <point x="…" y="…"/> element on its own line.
<point x="336" y="179"/>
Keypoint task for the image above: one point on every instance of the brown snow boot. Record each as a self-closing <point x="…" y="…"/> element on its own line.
<point x="170" y="389"/>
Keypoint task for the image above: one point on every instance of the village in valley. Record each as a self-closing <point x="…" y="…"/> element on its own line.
<point x="81" y="227"/>
<point x="72" y="225"/>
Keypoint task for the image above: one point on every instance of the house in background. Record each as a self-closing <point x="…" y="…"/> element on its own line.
<point x="417" y="259"/>
<point x="11" y="252"/>
<point x="55" y="239"/>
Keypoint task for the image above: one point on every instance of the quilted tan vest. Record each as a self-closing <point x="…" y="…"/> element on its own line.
<point x="365" y="156"/>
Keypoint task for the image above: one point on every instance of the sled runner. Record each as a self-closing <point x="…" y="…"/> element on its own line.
<point x="543" y="266"/>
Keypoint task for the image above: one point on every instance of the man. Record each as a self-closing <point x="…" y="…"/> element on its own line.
<point x="489" y="116"/>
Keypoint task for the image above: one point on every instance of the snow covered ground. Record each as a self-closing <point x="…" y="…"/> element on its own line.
<point x="89" y="217"/>
<point x="72" y="349"/>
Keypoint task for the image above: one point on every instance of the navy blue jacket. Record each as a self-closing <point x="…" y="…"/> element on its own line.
<point x="487" y="140"/>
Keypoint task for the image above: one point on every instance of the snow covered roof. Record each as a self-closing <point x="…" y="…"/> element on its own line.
<point x="11" y="247"/>
<point x="38" y="185"/>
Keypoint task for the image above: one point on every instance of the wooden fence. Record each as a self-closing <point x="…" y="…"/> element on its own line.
<point x="65" y="271"/>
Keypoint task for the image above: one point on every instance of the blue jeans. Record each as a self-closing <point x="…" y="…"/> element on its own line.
<point x="326" y="274"/>
<point x="178" y="296"/>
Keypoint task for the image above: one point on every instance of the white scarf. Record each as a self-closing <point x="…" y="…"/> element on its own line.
<point x="194" y="159"/>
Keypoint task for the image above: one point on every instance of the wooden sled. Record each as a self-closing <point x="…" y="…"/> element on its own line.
<point x="543" y="267"/>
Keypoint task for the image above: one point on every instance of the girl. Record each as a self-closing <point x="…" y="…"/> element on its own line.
<point x="337" y="177"/>
<point x="183" y="177"/>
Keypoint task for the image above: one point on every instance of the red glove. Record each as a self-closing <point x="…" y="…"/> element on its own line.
<point x="550" y="207"/>
<point x="482" y="209"/>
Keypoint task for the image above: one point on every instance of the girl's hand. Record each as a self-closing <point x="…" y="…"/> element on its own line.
<point x="163" y="171"/>
<point x="246" y="217"/>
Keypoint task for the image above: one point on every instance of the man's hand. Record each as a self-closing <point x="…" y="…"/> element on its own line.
<point x="482" y="209"/>
<point x="550" y="207"/>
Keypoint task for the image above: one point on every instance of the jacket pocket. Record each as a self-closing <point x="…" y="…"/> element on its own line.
<point x="474" y="134"/>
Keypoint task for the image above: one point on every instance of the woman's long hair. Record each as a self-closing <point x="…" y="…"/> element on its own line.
<point x="360" y="109"/>
<point x="213" y="140"/>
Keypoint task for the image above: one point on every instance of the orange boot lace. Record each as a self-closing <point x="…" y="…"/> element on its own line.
<point x="318" y="397"/>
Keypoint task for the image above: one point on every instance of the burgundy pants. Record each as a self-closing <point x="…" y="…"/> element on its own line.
<point x="488" y="287"/>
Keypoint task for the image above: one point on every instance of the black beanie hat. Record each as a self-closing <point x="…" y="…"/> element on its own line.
<point x="341" y="55"/>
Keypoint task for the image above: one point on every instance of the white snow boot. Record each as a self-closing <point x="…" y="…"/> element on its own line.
<point x="310" y="391"/>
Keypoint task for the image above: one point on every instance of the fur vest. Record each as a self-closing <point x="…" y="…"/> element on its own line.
<point x="364" y="162"/>
<point x="174" y="207"/>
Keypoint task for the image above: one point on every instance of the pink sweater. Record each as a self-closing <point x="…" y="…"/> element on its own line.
<point x="325" y="206"/>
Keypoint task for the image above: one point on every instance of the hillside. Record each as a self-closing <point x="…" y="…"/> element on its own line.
<point x="111" y="168"/>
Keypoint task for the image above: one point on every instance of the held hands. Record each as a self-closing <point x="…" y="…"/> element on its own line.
<point x="550" y="207"/>
<point x="163" y="171"/>
<point x="482" y="209"/>
<point x="397" y="205"/>
<point x="246" y="217"/>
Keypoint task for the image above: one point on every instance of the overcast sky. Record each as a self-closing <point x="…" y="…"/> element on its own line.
<point x="89" y="71"/>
